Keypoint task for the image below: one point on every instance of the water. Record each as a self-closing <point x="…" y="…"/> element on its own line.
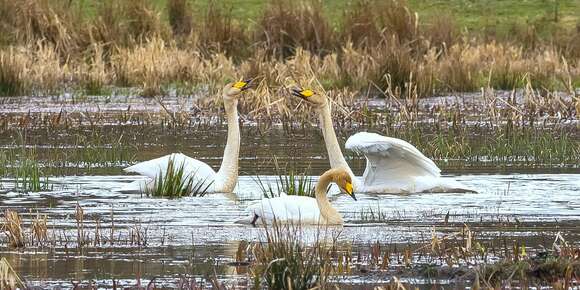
<point x="205" y="226"/>
<point x="142" y="238"/>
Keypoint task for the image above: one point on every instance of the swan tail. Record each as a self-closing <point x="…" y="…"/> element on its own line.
<point x="248" y="220"/>
<point x="135" y="186"/>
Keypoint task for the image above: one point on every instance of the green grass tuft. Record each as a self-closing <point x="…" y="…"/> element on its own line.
<point x="28" y="177"/>
<point x="294" y="183"/>
<point x="176" y="183"/>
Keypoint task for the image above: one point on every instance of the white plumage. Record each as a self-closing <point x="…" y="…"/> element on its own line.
<point x="393" y="165"/>
<point x="301" y="209"/>
<point x="192" y="168"/>
<point x="396" y="166"/>
<point x="286" y="209"/>
<point x="201" y="174"/>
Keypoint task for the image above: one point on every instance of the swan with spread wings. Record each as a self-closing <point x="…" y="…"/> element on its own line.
<point x="393" y="165"/>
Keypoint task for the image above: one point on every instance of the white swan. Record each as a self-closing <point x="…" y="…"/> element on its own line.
<point x="225" y="179"/>
<point x="303" y="209"/>
<point x="393" y="165"/>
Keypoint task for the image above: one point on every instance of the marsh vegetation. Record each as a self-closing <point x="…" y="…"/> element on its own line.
<point x="88" y="88"/>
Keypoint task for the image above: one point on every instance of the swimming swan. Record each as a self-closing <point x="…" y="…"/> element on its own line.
<point x="393" y="165"/>
<point x="303" y="209"/>
<point x="226" y="178"/>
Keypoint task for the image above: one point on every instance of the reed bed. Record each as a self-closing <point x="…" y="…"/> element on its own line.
<point x="49" y="48"/>
<point x="450" y="143"/>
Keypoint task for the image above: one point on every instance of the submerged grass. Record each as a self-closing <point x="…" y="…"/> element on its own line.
<point x="25" y="171"/>
<point x="290" y="256"/>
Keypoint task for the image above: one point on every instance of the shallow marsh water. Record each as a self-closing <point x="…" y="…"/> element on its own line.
<point x="164" y="238"/>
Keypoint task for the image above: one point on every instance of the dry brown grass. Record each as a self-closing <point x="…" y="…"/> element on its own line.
<point x="39" y="230"/>
<point x="12" y="226"/>
<point x="12" y="72"/>
<point x="286" y="25"/>
<point x="9" y="279"/>
<point x="380" y="45"/>
<point x="218" y="31"/>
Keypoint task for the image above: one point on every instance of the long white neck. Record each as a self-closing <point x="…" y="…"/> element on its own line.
<point x="329" y="214"/>
<point x="334" y="153"/>
<point x="227" y="176"/>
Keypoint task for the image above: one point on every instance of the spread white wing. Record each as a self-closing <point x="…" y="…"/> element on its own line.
<point x="391" y="163"/>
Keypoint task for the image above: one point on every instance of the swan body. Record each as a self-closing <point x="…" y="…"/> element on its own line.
<point x="288" y="208"/>
<point x="302" y="209"/>
<point x="393" y="165"/>
<point x="222" y="181"/>
<point x="192" y="168"/>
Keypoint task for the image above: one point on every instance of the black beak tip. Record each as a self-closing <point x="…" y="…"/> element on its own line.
<point x="297" y="92"/>
<point x="248" y="84"/>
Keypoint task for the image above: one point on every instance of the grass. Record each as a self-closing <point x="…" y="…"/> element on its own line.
<point x="12" y="226"/>
<point x="290" y="256"/>
<point x="473" y="15"/>
<point x="9" y="279"/>
<point x="27" y="173"/>
<point x="285" y="261"/>
<point x="287" y="182"/>
<point x="177" y="183"/>
<point x="28" y="177"/>
<point x="153" y="45"/>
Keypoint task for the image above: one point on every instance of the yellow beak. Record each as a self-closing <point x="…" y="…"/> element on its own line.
<point x="242" y="85"/>
<point x="349" y="190"/>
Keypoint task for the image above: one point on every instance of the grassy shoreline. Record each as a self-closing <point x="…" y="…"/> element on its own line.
<point x="381" y="46"/>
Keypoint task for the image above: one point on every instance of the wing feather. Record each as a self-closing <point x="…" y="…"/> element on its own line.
<point x="390" y="160"/>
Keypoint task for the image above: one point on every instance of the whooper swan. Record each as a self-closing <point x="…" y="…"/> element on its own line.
<point x="226" y="178"/>
<point x="303" y="209"/>
<point x="393" y="165"/>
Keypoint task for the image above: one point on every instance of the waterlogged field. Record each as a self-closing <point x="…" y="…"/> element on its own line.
<point x="66" y="223"/>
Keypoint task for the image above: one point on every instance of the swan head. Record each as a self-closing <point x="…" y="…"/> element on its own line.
<point x="234" y="89"/>
<point x="309" y="96"/>
<point x="344" y="181"/>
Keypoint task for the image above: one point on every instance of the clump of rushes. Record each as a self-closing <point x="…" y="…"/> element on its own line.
<point x="28" y="177"/>
<point x="291" y="184"/>
<point x="284" y="261"/>
<point x="12" y="227"/>
<point x="177" y="183"/>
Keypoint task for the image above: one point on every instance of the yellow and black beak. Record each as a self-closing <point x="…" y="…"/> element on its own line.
<point x="348" y="189"/>
<point x="243" y="85"/>
<point x="302" y="93"/>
